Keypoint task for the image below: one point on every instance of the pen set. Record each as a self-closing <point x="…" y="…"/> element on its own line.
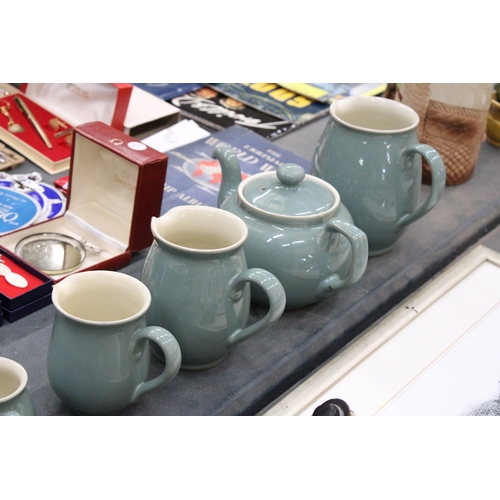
<point x="32" y="120"/>
<point x="61" y="129"/>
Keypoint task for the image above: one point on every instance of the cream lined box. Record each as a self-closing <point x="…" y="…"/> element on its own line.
<point x="115" y="187"/>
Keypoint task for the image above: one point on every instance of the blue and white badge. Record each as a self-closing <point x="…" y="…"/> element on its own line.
<point x="39" y="197"/>
<point x="56" y="201"/>
<point x="52" y="202"/>
<point x="17" y="210"/>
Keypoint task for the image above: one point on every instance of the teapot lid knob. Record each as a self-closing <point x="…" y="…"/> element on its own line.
<point x="290" y="174"/>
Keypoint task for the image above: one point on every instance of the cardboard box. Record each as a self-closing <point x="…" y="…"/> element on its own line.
<point x="115" y="188"/>
<point x="147" y="114"/>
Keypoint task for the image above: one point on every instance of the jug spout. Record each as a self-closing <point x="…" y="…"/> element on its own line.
<point x="159" y="228"/>
<point x="231" y="172"/>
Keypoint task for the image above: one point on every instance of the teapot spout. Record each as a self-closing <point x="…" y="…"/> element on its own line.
<point x="230" y="168"/>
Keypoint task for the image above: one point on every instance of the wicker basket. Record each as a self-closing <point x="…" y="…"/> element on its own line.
<point x="455" y="131"/>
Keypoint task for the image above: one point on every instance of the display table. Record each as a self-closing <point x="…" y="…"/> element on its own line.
<point x="262" y="368"/>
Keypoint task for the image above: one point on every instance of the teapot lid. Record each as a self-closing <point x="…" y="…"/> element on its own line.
<point x="290" y="193"/>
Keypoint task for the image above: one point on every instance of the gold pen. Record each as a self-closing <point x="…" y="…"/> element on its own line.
<point x="34" y="122"/>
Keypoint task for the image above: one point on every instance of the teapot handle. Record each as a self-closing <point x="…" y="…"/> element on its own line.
<point x="438" y="174"/>
<point x="359" y="246"/>
<point x="275" y="293"/>
<point x="171" y="351"/>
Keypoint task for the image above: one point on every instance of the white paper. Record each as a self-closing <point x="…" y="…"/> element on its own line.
<point x="180" y="134"/>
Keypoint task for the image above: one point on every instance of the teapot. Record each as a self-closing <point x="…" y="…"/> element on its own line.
<point x="298" y="229"/>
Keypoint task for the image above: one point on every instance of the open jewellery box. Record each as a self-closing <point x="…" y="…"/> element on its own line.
<point x="79" y="103"/>
<point x="115" y="188"/>
<point x="57" y="107"/>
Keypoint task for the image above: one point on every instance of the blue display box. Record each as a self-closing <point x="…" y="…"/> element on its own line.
<point x="30" y="307"/>
<point x="17" y="302"/>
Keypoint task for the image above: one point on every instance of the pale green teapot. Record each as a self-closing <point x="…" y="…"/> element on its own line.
<point x="298" y="229"/>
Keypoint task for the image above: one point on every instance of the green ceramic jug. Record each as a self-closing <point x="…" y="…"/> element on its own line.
<point x="197" y="273"/>
<point x="370" y="152"/>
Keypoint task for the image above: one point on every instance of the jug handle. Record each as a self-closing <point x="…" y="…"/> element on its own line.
<point x="171" y="350"/>
<point x="275" y="293"/>
<point x="359" y="246"/>
<point x="438" y="174"/>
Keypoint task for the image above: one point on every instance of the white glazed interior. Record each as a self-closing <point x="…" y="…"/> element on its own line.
<point x="374" y="114"/>
<point x="200" y="229"/>
<point x="13" y="379"/>
<point x="101" y="297"/>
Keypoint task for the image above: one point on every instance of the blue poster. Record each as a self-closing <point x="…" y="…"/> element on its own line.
<point x="193" y="176"/>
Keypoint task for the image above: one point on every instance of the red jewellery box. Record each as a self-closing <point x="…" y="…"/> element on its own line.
<point x="115" y="188"/>
<point x="17" y="131"/>
<point x="38" y="121"/>
<point x="23" y="289"/>
<point x="79" y="103"/>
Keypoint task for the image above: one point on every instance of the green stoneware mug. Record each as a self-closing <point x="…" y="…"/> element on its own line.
<point x="99" y="357"/>
<point x="197" y="273"/>
<point x="14" y="397"/>
<point x="369" y="151"/>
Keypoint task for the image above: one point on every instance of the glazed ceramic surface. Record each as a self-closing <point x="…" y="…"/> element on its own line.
<point x="370" y="152"/>
<point x="298" y="229"/>
<point x="199" y="280"/>
<point x="14" y="397"/>
<point x="98" y="357"/>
